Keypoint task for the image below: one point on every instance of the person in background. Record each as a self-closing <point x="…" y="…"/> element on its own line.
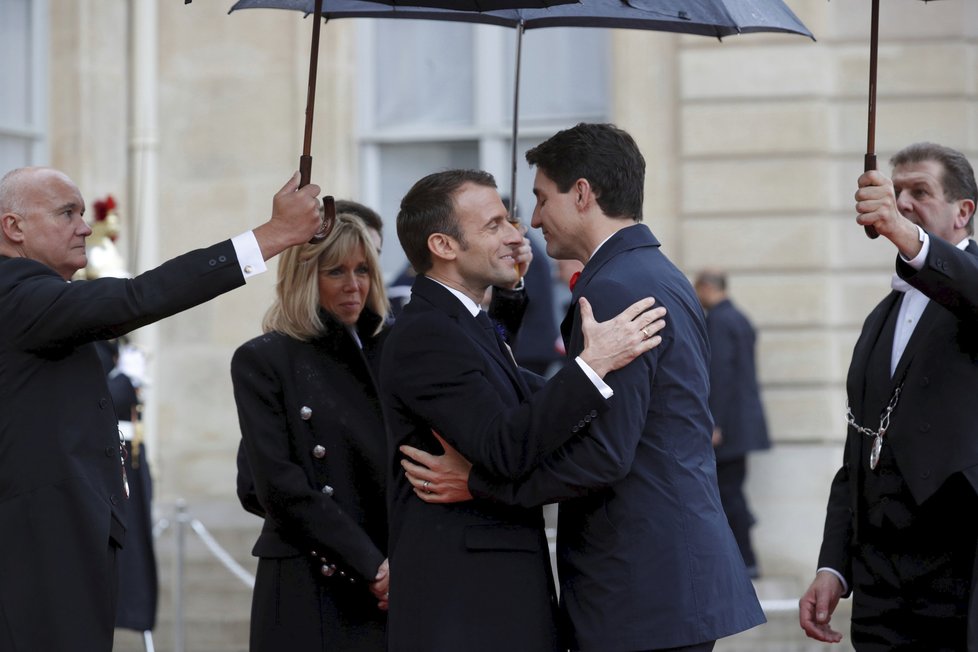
<point x="370" y="218"/>
<point x="138" y="582"/>
<point x="739" y="426"/>
<point x="62" y="481"/>
<point x="314" y="440"/>
<point x="900" y="529"/>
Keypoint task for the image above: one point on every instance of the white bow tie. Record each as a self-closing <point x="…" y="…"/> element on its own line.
<point x="899" y="284"/>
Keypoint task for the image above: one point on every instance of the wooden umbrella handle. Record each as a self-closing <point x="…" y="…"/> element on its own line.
<point x="869" y="163"/>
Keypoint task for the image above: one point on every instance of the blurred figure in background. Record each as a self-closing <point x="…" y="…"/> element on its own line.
<point x="739" y="426"/>
<point x="138" y="583"/>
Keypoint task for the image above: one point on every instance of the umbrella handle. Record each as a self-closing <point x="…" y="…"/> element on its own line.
<point x="329" y="205"/>
<point x="869" y="163"/>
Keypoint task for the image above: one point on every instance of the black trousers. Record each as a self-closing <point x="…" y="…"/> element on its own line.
<point x="912" y="586"/>
<point x="731" y="475"/>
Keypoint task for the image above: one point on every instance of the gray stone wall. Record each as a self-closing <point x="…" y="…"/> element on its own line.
<point x="754" y="145"/>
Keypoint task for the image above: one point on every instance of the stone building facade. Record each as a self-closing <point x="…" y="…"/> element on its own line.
<point x="193" y="119"/>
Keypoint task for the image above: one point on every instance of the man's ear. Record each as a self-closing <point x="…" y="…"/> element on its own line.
<point x="966" y="208"/>
<point x="442" y="246"/>
<point x="11" y="228"/>
<point x="583" y="193"/>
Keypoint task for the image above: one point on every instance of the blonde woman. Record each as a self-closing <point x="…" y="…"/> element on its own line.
<point x="314" y="441"/>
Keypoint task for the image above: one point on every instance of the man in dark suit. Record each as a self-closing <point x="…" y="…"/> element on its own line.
<point x="645" y="556"/>
<point x="475" y="576"/>
<point x="735" y="402"/>
<point x="900" y="529"/>
<point x="61" y="481"/>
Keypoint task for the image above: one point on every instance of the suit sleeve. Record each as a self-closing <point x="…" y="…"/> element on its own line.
<point x="441" y="381"/>
<point x="246" y="484"/>
<point x="835" y="552"/>
<point x="599" y="459"/>
<point x="65" y="314"/>
<point x="507" y="309"/>
<point x="281" y="485"/>
<point x="948" y="278"/>
<point x="605" y="454"/>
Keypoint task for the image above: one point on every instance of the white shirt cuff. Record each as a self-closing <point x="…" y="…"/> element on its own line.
<point x="601" y="386"/>
<point x="845" y="585"/>
<point x="918" y="261"/>
<point x="249" y="254"/>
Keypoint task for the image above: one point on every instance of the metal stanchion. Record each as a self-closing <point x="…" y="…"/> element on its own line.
<point x="181" y="553"/>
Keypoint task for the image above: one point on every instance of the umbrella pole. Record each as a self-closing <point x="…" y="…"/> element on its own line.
<point x="516" y="118"/>
<point x="869" y="163"/>
<point x="305" y="161"/>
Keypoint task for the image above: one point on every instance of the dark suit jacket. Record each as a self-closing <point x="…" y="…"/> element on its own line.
<point x="645" y="556"/>
<point x="932" y="430"/>
<point x="471" y="576"/>
<point x="319" y="476"/>
<point x="735" y="400"/>
<point x="60" y="469"/>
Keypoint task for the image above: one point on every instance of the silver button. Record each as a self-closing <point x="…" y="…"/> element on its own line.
<point x="328" y="490"/>
<point x="305" y="412"/>
<point x="247" y="269"/>
<point x="319" y="452"/>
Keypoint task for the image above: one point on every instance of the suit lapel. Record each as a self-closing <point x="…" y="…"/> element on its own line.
<point x="445" y="301"/>
<point x="871" y="332"/>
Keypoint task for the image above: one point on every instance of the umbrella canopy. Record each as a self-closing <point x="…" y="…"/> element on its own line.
<point x="717" y="18"/>
<point x="473" y="5"/>
<point x="705" y="17"/>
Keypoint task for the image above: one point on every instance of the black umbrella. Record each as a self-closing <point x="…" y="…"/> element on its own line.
<point x="717" y="18"/>
<point x="869" y="162"/>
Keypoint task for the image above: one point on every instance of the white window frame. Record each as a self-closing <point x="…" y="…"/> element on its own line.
<point x="35" y="130"/>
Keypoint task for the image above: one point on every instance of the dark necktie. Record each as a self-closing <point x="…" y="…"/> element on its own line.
<point x="492" y="333"/>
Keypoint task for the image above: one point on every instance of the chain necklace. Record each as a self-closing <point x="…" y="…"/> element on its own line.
<point x="879" y="433"/>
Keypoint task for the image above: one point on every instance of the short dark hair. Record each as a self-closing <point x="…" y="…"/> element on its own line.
<point x="604" y="155"/>
<point x="958" y="178"/>
<point x="367" y="215"/>
<point x="429" y="207"/>
<point x="712" y="277"/>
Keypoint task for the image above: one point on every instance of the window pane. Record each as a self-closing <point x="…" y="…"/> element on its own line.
<point x="554" y="63"/>
<point x="15" y="55"/>
<point x="423" y="73"/>
<point x="401" y="166"/>
<point x="14" y="153"/>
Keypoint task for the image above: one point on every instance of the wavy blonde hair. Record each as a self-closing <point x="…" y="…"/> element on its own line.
<point x="295" y="311"/>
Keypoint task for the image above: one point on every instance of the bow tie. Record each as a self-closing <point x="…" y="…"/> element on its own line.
<point x="899" y="284"/>
<point x="573" y="280"/>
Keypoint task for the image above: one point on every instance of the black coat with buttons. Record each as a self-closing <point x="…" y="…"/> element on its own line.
<point x="61" y="491"/>
<point x="314" y="443"/>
